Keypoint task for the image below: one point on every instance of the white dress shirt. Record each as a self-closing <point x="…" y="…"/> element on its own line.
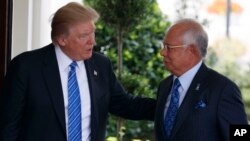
<point x="63" y="62"/>
<point x="185" y="80"/>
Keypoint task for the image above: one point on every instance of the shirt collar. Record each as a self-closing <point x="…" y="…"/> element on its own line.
<point x="186" y="78"/>
<point x="64" y="61"/>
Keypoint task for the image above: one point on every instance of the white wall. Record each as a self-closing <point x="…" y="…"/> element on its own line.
<point x="31" y="23"/>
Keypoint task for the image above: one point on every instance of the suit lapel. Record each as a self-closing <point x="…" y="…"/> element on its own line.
<point x="53" y="81"/>
<point x="193" y="94"/>
<point x="92" y="74"/>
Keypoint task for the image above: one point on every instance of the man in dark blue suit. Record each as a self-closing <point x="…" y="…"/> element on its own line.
<point x="204" y="103"/>
<point x="35" y="103"/>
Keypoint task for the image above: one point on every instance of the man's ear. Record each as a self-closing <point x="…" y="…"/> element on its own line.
<point x="61" y="40"/>
<point x="194" y="50"/>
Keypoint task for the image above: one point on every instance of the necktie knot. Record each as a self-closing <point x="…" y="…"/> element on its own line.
<point x="177" y="84"/>
<point x="73" y="65"/>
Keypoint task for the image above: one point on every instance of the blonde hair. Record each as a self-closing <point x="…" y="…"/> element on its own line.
<point x="71" y="14"/>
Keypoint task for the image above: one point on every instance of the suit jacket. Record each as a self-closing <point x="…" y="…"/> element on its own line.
<point x="211" y="104"/>
<point x="33" y="106"/>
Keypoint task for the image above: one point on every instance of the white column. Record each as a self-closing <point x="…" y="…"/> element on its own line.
<point x="20" y="26"/>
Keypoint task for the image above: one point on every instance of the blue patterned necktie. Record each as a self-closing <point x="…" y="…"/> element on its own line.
<point x="74" y="106"/>
<point x="172" y="108"/>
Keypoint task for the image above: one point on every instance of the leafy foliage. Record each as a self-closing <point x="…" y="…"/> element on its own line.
<point x="141" y="46"/>
<point x="122" y="13"/>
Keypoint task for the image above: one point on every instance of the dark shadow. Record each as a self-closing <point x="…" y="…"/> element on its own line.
<point x="5" y="34"/>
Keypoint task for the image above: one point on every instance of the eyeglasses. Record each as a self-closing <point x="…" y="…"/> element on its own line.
<point x="165" y="46"/>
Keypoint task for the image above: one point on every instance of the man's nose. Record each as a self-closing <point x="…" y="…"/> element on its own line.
<point x="163" y="52"/>
<point x="91" y="39"/>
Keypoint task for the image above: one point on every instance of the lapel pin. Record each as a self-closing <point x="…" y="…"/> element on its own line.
<point x="95" y="72"/>
<point x="197" y="87"/>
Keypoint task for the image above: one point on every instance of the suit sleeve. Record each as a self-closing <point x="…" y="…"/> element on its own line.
<point x="13" y="101"/>
<point x="128" y="106"/>
<point x="231" y="109"/>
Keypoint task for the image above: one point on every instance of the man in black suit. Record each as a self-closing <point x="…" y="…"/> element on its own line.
<point x="35" y="103"/>
<point x="202" y="104"/>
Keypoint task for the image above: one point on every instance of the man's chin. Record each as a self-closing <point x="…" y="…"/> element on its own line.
<point x="87" y="56"/>
<point x="168" y="68"/>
